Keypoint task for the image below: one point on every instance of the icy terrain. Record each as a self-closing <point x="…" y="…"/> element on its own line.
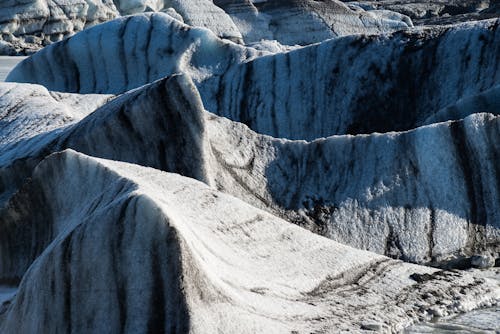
<point x="27" y="25"/>
<point x="423" y="71"/>
<point x="399" y="201"/>
<point x="250" y="166"/>
<point x="175" y="255"/>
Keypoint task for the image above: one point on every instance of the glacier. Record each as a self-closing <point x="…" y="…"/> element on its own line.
<point x="170" y="251"/>
<point x="27" y="26"/>
<point x="245" y="166"/>
<point x="273" y="93"/>
<point x="407" y="204"/>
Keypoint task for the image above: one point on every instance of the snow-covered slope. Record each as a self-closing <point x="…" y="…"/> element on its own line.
<point x="27" y="25"/>
<point x="355" y="84"/>
<point x="428" y="195"/>
<point x="139" y="250"/>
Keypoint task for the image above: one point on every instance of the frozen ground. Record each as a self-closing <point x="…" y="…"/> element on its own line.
<point x="7" y="63"/>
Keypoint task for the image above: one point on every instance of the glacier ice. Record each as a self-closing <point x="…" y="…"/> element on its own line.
<point x="175" y="255"/>
<point x="398" y="194"/>
<point x="248" y="166"/>
<point x="351" y="85"/>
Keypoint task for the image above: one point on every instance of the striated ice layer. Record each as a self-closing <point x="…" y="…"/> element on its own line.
<point x="305" y="21"/>
<point x="27" y="25"/>
<point x="362" y="84"/>
<point x="28" y="110"/>
<point x="428" y="196"/>
<point x="434" y="12"/>
<point x="129" y="52"/>
<point x="136" y="207"/>
<point x="355" y="84"/>
<point x="139" y="250"/>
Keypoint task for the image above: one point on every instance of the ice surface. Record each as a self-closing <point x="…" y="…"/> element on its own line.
<point x="398" y="194"/>
<point x="195" y="259"/>
<point x="206" y="170"/>
<point x="350" y="85"/>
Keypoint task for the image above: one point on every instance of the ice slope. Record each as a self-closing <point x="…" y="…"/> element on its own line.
<point x="127" y="53"/>
<point x="138" y="250"/>
<point x="428" y="196"/>
<point x="197" y="13"/>
<point x="487" y="101"/>
<point x="359" y="84"/>
<point x="305" y="21"/>
<point x="127" y="7"/>
<point x="437" y="11"/>
<point x="354" y="84"/>
<point x="159" y="126"/>
<point x="289" y="22"/>
<point x="27" y="25"/>
<point x="28" y="110"/>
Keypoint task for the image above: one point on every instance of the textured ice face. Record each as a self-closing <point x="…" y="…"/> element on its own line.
<point x="28" y="25"/>
<point x="127" y="7"/>
<point x="361" y="84"/>
<point x="435" y="12"/>
<point x="425" y="196"/>
<point x="196" y="259"/>
<point x="350" y="85"/>
<point x="95" y="236"/>
<point x="130" y="52"/>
